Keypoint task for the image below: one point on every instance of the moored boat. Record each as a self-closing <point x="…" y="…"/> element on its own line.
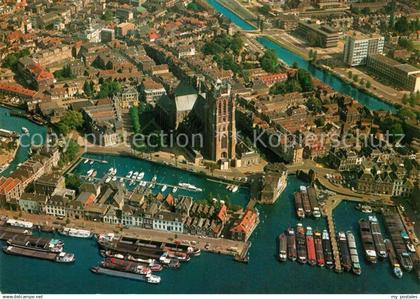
<point x="344" y="251"/>
<point x="353" y="253"/>
<point x="300" y="213"/>
<point x="291" y="244"/>
<point x="78" y="233"/>
<point x="326" y="245"/>
<point x="318" y="249"/>
<point x="148" y="278"/>
<point x="367" y="241"/>
<point x="301" y="244"/>
<point x="377" y="237"/>
<point x="396" y="269"/>
<point x="282" y="247"/>
<point x="310" y="245"/>
<point x="305" y="201"/>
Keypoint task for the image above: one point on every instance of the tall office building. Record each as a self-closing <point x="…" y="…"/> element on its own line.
<point x="358" y="46"/>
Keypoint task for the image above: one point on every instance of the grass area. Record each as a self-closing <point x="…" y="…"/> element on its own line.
<point x="238" y="9"/>
<point x="416" y="45"/>
<point x="288" y="47"/>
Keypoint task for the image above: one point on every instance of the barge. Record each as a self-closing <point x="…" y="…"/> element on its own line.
<point x="318" y="249"/>
<point x="301" y="244"/>
<point x="150" y="278"/>
<point x="314" y="202"/>
<point x="367" y="241"/>
<point x="300" y="213"/>
<point x="344" y="251"/>
<point x="326" y="245"/>
<point x="377" y="237"/>
<point x="353" y="253"/>
<point x="291" y="244"/>
<point x="396" y="269"/>
<point x="396" y="230"/>
<point x="61" y="257"/>
<point x="282" y="247"/>
<point x="305" y="201"/>
<point x="310" y="245"/>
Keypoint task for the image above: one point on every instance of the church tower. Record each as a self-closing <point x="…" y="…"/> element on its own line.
<point x="220" y="132"/>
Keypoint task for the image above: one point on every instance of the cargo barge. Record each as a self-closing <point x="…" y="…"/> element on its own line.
<point x="300" y="213"/>
<point x="61" y="257"/>
<point x="151" y="263"/>
<point x="38" y="244"/>
<point x="396" y="269"/>
<point x="314" y="202"/>
<point x="291" y="244"/>
<point x="344" y="251"/>
<point x="305" y="201"/>
<point x="353" y="253"/>
<point x="367" y="241"/>
<point x="149" y="278"/>
<point x="377" y="237"/>
<point x="318" y="249"/>
<point x="326" y="245"/>
<point x="310" y="245"/>
<point x="396" y="231"/>
<point x="301" y="244"/>
<point x="282" y="247"/>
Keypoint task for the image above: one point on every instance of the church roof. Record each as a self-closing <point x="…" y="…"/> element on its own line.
<point x="184" y="89"/>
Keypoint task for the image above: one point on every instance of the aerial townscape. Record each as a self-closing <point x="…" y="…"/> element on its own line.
<point x="210" y="146"/>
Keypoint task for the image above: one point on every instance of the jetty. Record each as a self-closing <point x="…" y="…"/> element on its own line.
<point x="334" y="245"/>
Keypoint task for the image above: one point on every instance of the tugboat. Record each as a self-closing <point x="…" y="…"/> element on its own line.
<point x="282" y="248"/>
<point x="291" y="244"/>
<point x="353" y="253"/>
<point x="326" y="245"/>
<point x="377" y="237"/>
<point x="344" y="251"/>
<point x="367" y="240"/>
<point x="310" y="246"/>
<point x="393" y="259"/>
<point x="301" y="244"/>
<point x="318" y="249"/>
<point x="298" y="204"/>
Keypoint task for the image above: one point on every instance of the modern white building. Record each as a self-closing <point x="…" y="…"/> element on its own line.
<point x="358" y="46"/>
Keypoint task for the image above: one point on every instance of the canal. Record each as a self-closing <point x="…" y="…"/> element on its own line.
<point x="36" y="135"/>
<point x="289" y="58"/>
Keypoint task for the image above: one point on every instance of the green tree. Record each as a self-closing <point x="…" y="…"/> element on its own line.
<point x="355" y="78"/>
<point x="11" y="60"/>
<point x="108" y="16"/>
<point x="70" y="151"/>
<point x="73" y="182"/>
<point x="406" y="114"/>
<point x="368" y="84"/>
<point x="305" y="80"/>
<point x="108" y="89"/>
<point x="401" y="25"/>
<point x="71" y="120"/>
<point x="88" y="88"/>
<point x="135" y="119"/>
<point x="320" y="121"/>
<point x="350" y="74"/>
<point x="269" y="61"/>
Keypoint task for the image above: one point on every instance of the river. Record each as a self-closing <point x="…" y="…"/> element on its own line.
<point x="13" y="123"/>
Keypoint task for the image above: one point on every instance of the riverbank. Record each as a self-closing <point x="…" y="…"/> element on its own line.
<point x="213" y="245"/>
<point x="7" y="156"/>
<point x="240" y="11"/>
<point x="288" y="46"/>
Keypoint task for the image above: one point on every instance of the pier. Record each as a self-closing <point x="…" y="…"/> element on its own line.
<point x="125" y="179"/>
<point x="334" y="245"/>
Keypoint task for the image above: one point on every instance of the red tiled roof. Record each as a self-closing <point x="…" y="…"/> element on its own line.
<point x="17" y="89"/>
<point x="222" y="213"/>
<point x="247" y="222"/>
<point x="8" y="184"/>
